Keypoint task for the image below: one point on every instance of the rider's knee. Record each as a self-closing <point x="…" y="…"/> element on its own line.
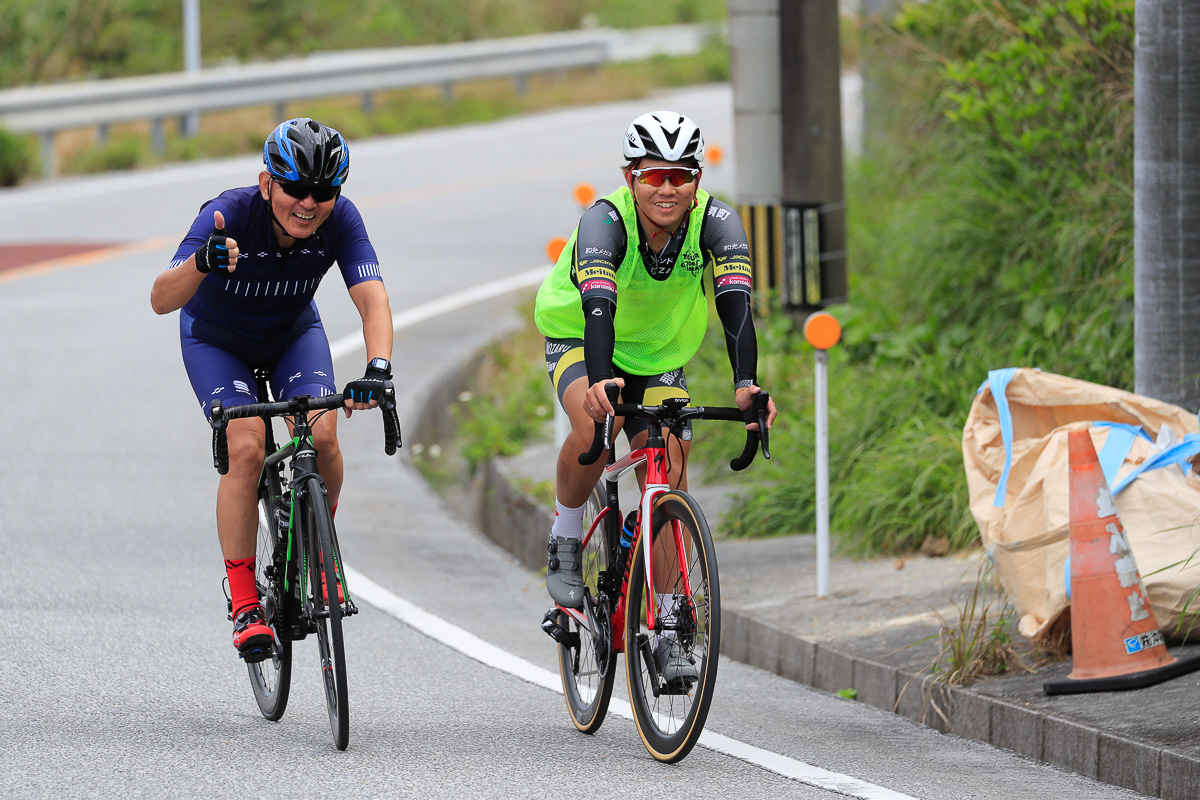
<point x="326" y="441"/>
<point x="246" y="454"/>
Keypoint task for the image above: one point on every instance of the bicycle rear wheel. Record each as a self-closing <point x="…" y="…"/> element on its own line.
<point x="322" y="563"/>
<point x="271" y="679"/>
<point x="586" y="658"/>
<point x="686" y="607"/>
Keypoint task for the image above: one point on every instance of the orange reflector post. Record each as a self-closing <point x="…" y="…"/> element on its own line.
<point x="554" y="247"/>
<point x="822" y="330"/>
<point x="584" y="194"/>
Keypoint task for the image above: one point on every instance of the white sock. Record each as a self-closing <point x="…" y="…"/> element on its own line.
<point x="568" y="522"/>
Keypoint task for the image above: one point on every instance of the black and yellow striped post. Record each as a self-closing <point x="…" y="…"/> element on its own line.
<point x="797" y="254"/>
<point x="763" y="223"/>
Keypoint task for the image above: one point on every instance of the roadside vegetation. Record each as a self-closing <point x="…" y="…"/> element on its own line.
<point x="990" y="225"/>
<point x="46" y="41"/>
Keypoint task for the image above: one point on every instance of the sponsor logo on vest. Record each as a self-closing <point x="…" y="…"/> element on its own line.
<point x="692" y="261"/>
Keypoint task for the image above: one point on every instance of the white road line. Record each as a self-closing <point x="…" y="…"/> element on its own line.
<point x="350" y="343"/>
<point x="492" y="656"/>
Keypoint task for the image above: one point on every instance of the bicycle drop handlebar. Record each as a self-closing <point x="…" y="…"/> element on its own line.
<point x="297" y="405"/>
<point x="671" y="415"/>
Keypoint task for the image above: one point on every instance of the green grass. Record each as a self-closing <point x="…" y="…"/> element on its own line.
<point x="977" y="240"/>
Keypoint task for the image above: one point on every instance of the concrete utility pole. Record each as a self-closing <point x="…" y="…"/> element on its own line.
<point x="191" y="57"/>
<point x="1166" y="201"/>
<point x="787" y="124"/>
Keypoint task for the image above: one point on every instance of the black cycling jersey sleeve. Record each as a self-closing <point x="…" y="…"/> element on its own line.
<point x="599" y="338"/>
<point x="723" y="237"/>
<point x="599" y="250"/>
<point x="741" y="343"/>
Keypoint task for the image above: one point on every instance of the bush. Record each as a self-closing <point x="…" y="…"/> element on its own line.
<point x="16" y="158"/>
<point x="990" y="225"/>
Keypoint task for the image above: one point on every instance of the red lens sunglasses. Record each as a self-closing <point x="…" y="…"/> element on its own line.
<point x="655" y="176"/>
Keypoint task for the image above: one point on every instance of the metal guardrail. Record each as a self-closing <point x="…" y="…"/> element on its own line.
<point x="45" y="110"/>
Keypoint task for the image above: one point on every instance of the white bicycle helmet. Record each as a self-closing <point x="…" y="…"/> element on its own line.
<point x="665" y="135"/>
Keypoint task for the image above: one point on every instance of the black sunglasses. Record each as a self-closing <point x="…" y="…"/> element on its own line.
<point x="322" y="194"/>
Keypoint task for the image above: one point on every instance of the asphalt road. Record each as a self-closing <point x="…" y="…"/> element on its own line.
<point x="116" y="673"/>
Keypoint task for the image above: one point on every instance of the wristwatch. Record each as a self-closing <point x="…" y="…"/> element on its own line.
<point x="381" y="364"/>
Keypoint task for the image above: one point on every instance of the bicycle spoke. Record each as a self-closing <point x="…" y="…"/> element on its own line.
<point x="586" y="658"/>
<point x="672" y="665"/>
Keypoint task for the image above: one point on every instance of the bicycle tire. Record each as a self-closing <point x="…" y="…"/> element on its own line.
<point x="271" y="679"/>
<point x="327" y="615"/>
<point x="670" y="722"/>
<point x="587" y="662"/>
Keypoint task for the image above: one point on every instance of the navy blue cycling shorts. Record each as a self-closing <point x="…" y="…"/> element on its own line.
<point x="221" y="364"/>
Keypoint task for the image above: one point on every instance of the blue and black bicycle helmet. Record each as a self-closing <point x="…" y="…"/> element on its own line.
<point x="305" y="151"/>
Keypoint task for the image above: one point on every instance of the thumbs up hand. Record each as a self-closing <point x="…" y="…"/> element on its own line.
<point x="219" y="253"/>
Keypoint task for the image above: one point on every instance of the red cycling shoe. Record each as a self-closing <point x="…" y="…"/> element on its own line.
<point x="252" y="637"/>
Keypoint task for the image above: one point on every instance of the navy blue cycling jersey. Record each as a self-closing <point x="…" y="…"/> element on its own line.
<point x="273" y="286"/>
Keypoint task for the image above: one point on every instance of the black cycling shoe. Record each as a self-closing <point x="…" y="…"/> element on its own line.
<point x="564" y="574"/>
<point x="675" y="667"/>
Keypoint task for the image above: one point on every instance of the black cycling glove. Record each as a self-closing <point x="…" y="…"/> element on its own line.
<point x="372" y="384"/>
<point x="213" y="254"/>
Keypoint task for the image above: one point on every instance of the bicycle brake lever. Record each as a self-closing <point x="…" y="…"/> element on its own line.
<point x="220" y="442"/>
<point x="761" y="411"/>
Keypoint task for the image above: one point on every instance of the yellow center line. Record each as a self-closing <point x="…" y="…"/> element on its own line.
<point x="83" y="259"/>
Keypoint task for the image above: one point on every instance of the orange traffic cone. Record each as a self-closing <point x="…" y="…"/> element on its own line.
<point x="1115" y="640"/>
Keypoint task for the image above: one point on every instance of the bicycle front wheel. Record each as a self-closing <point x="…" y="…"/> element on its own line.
<point x="672" y="669"/>
<point x="586" y="658"/>
<point x="271" y="678"/>
<point x="327" y="610"/>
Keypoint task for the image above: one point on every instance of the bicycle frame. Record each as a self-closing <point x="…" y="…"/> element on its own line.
<point x="654" y="455"/>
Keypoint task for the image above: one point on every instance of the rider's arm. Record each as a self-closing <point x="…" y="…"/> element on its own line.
<point x="599" y="250"/>
<point x="174" y="287"/>
<point x="724" y="238"/>
<point x="371" y="299"/>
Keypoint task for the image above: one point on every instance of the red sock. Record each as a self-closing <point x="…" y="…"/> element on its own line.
<point x="242" y="588"/>
<point x="333" y="511"/>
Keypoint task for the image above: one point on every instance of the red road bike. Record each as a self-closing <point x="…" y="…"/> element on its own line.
<point x="651" y="590"/>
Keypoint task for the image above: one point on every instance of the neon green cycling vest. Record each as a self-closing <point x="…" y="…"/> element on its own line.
<point x="659" y="324"/>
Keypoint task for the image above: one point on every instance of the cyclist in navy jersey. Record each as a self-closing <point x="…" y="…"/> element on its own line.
<point x="243" y="280"/>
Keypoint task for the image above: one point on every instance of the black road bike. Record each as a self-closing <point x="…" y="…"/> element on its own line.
<point x="299" y="572"/>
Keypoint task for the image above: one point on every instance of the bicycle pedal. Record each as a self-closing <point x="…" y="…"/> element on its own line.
<point x="255" y="655"/>
<point x="553" y="629"/>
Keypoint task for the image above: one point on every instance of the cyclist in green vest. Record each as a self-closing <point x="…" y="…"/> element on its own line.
<point x="625" y="303"/>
